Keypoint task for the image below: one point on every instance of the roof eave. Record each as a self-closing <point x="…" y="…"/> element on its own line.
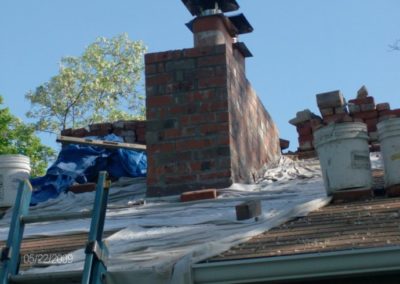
<point x="300" y="267"/>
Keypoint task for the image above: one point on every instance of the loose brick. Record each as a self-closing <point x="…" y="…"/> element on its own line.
<point x="362" y="92"/>
<point x="362" y="101"/>
<point x="382" y="106"/>
<point x="340" y="110"/>
<point x="82" y="188"/>
<point x="330" y="99"/>
<point x="336" y="118"/>
<point x="80" y="132"/>
<point x="354" y="108"/>
<point x="199" y="195"/>
<point x="327" y="111"/>
<point x="248" y="210"/>
<point x="367" y="107"/>
<point x="366" y="115"/>
<point x="66" y="132"/>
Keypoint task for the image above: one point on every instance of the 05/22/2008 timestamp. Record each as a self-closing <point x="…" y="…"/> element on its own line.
<point x="47" y="258"/>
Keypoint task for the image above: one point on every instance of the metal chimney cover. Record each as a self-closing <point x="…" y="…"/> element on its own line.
<point x="196" y="7"/>
<point x="241" y="24"/>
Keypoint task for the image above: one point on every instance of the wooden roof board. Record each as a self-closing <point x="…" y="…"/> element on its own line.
<point x="61" y="244"/>
<point x="363" y="224"/>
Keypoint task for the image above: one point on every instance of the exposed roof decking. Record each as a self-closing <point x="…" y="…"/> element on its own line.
<point x="363" y="224"/>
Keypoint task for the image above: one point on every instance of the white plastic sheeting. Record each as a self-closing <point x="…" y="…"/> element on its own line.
<point x="157" y="242"/>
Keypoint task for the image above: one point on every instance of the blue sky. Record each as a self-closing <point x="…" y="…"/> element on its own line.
<point x="300" y="48"/>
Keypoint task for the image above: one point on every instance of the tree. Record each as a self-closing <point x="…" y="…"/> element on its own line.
<point x="17" y="137"/>
<point x="101" y="84"/>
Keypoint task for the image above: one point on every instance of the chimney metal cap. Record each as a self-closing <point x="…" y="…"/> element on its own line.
<point x="196" y="7"/>
<point x="241" y="24"/>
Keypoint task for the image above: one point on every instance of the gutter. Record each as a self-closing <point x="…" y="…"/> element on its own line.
<point x="299" y="267"/>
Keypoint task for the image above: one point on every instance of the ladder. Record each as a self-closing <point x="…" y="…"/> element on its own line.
<point x="95" y="267"/>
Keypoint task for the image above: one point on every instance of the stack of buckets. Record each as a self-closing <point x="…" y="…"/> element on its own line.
<point x="343" y="151"/>
<point x="13" y="169"/>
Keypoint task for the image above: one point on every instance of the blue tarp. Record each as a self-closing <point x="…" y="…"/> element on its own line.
<point x="81" y="164"/>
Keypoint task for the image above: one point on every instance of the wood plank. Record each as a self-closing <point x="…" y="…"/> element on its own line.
<point x="365" y="224"/>
<point x="100" y="143"/>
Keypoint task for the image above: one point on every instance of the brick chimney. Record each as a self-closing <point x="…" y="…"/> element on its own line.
<point x="206" y="127"/>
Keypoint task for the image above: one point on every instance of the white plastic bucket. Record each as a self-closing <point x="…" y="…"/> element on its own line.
<point x="344" y="156"/>
<point x="389" y="138"/>
<point x="13" y="169"/>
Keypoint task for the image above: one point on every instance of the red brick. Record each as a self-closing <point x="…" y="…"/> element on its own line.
<point x="304" y="131"/>
<point x="366" y="115"/>
<point x="214" y="128"/>
<point x="179" y="87"/>
<point x="335" y="118"/>
<point x="151" y="69"/>
<point x="161" y="147"/>
<point x="180" y="179"/>
<point x="212" y="82"/>
<point x="217" y="175"/>
<point x="327" y="111"/>
<point x="159" y="79"/>
<point x="66" y="132"/>
<point x="172" y="133"/>
<point x="199" y="195"/>
<point x="80" y="132"/>
<point x="82" y="188"/>
<point x="306" y="138"/>
<point x="212" y="60"/>
<point x="371" y="124"/>
<point x="198" y="51"/>
<point x="184" y="120"/>
<point x="99" y="132"/>
<point x="361" y="101"/>
<point x="222" y="117"/>
<point x="162" y="56"/>
<point x="159" y="101"/>
<point x="383" y="106"/>
<point x="193" y="144"/>
<point x="195" y="166"/>
<point x="218" y="106"/>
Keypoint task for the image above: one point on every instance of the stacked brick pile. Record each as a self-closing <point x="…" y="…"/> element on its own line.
<point x="334" y="109"/>
<point x="332" y="106"/>
<point x="306" y="123"/>
<point x="364" y="109"/>
<point x="132" y="131"/>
